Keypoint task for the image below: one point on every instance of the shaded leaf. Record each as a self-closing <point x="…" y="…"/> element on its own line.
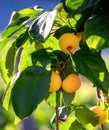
<point x="29" y="90"/>
<point x="23" y="40"/>
<point x="41" y="58"/>
<point x="86" y="116"/>
<point x="41" y="27"/>
<point x="76" y="126"/>
<point x="96" y="31"/>
<point x="67" y="98"/>
<point x="91" y="65"/>
<point x="79" y="5"/>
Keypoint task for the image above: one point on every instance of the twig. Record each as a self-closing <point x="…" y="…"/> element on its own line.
<point x="57" y="110"/>
<point x="102" y="127"/>
<point x="99" y="95"/>
<point x="57" y="118"/>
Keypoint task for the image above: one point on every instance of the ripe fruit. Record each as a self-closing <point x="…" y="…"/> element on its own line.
<point x="68" y="42"/>
<point x="102" y="114"/>
<point x="71" y="83"/>
<point x="55" y="82"/>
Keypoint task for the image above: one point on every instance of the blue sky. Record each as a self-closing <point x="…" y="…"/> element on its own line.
<point x="8" y="6"/>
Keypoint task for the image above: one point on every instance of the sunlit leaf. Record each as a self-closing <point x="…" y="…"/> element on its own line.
<point x="51" y="43"/>
<point x="60" y="21"/>
<point x="7" y="61"/>
<point x="79" y="5"/>
<point x="25" y="57"/>
<point x="12" y="33"/>
<point x="6" y="98"/>
<point x="67" y="124"/>
<point x="51" y="99"/>
<point x="41" y="27"/>
<point x="17" y="24"/>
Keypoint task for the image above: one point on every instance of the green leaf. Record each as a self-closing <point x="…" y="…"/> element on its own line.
<point x="96" y="31"/>
<point x="79" y="5"/>
<point x="41" y="27"/>
<point x="77" y="21"/>
<point x="60" y="21"/>
<point x="76" y="126"/>
<point x="7" y="96"/>
<point x="23" y="40"/>
<point x="24" y="15"/>
<point x="92" y="66"/>
<point x="51" y="99"/>
<point x="62" y="30"/>
<point x="25" y="57"/>
<point x="16" y="31"/>
<point x="30" y="12"/>
<point x="86" y="116"/>
<point x="7" y="61"/>
<point x="67" y="98"/>
<point x="41" y="58"/>
<point x="66" y="125"/>
<point x="29" y="90"/>
<point x="17" y="24"/>
<point x="51" y="43"/>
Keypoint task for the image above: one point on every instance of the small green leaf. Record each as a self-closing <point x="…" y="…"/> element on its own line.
<point x="86" y="116"/>
<point x="67" y="98"/>
<point x="29" y="90"/>
<point x="92" y="66"/>
<point x="41" y="27"/>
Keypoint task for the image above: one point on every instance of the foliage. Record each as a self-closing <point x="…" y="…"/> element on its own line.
<point x="29" y="51"/>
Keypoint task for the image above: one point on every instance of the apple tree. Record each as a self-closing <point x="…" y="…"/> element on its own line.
<point x="29" y="50"/>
